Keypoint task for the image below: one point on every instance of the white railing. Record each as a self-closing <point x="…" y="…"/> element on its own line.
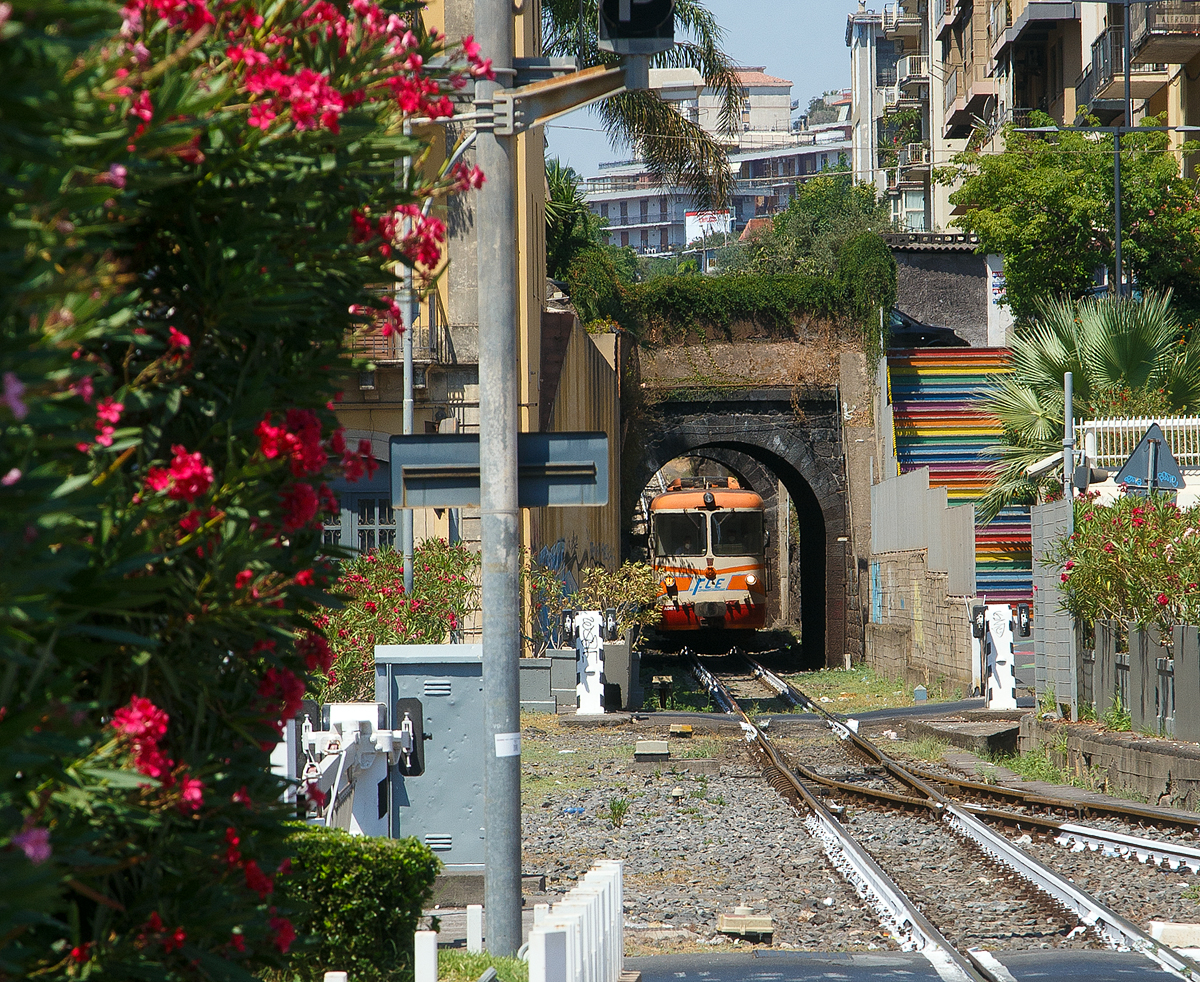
<point x="1109" y="442"/>
<point x="581" y="938"/>
<point x="912" y="67"/>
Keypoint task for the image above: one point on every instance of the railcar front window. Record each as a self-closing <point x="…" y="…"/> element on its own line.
<point x="679" y="535"/>
<point x="737" y="533"/>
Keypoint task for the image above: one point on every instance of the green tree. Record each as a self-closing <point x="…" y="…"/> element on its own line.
<point x="677" y="150"/>
<point x="818" y="112"/>
<point x="826" y="211"/>
<point x="1045" y="203"/>
<point x="571" y="226"/>
<point x="1125" y="357"/>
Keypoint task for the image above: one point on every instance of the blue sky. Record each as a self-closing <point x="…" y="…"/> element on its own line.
<point x="800" y="40"/>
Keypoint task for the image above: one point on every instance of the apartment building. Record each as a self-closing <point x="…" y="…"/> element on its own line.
<point x="972" y="66"/>
<point x="767" y="155"/>
<point x="891" y="122"/>
<point x="652" y="218"/>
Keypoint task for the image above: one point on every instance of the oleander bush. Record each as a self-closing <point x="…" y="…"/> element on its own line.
<point x="1136" y="560"/>
<point x="360" y="899"/>
<point x="374" y="610"/>
<point x="198" y="199"/>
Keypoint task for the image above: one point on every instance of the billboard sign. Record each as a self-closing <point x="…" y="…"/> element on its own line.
<point x="698" y="224"/>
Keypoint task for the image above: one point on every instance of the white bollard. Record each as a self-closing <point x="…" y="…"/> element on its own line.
<point x="336" y="977"/>
<point x="425" y="957"/>
<point x="548" y="955"/>
<point x="474" y="928"/>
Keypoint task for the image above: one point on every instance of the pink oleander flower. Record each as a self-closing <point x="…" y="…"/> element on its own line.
<point x="34" y="842"/>
<point x="14" y="389"/>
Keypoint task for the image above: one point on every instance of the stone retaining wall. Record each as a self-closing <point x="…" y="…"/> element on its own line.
<point x="917" y="631"/>
<point x="1165" y="772"/>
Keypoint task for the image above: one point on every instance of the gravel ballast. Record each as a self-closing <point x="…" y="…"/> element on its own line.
<point x="729" y="839"/>
<point x="696" y="845"/>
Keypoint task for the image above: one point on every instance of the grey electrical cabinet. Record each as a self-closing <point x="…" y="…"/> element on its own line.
<point x="437" y="786"/>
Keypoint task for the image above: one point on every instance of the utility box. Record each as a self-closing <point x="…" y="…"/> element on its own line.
<point x="437" y="787"/>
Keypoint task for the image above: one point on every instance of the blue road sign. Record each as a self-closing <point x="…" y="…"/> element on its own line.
<point x="555" y="470"/>
<point x="1151" y="466"/>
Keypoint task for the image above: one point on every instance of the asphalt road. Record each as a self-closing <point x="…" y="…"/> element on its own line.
<point x="799" y="966"/>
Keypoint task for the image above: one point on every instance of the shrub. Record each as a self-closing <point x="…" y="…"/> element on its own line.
<point x="185" y="249"/>
<point x="1136" y="560"/>
<point x="631" y="590"/>
<point x="375" y="611"/>
<point x="361" y="899"/>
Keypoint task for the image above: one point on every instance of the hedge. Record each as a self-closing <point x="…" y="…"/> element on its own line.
<point x="360" y="899"/>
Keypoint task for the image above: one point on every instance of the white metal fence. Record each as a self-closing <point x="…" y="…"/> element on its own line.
<point x="1108" y="442"/>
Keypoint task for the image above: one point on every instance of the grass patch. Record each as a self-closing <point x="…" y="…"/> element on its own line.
<point x="927" y="748"/>
<point x="862" y="689"/>
<point x="1040" y="765"/>
<point x="460" y="966"/>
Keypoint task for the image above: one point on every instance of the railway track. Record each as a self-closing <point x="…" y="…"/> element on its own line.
<point x="1014" y="899"/>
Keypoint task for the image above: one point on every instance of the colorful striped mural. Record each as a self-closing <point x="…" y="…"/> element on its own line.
<point x="937" y="424"/>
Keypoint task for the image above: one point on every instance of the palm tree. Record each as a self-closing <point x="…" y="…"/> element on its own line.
<point x="676" y="150"/>
<point x="570" y="225"/>
<point x="1125" y="356"/>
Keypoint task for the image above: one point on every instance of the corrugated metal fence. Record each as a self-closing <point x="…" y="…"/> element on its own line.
<point x="906" y="513"/>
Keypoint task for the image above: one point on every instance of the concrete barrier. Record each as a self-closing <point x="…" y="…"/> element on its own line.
<point x="581" y="938"/>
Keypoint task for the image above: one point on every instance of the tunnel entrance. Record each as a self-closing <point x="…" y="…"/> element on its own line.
<point x="769" y="437"/>
<point x="794" y="553"/>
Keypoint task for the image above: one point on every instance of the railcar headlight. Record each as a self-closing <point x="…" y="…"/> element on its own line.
<point x="671" y="586"/>
<point x="751" y="580"/>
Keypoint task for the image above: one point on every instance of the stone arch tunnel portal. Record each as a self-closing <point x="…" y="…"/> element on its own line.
<point x="816" y="523"/>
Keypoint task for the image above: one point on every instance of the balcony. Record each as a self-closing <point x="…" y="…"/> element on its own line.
<point x="1165" y="33"/>
<point x="900" y="22"/>
<point x="430" y="336"/>
<point x="912" y="71"/>
<point x="1108" y="70"/>
<point x="914" y="159"/>
<point x="898" y="98"/>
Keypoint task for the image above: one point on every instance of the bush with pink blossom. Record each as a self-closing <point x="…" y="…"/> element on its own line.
<point x="200" y="200"/>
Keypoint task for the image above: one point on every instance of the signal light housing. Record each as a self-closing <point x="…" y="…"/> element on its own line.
<point x="636" y="27"/>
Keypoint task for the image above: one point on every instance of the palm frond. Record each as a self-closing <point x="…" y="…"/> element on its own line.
<point x="676" y="150"/>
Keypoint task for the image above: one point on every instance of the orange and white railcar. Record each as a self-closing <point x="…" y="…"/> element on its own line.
<point x="706" y="545"/>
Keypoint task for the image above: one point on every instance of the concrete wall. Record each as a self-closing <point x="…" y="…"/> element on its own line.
<point x="918" y="631"/>
<point x="1166" y="772"/>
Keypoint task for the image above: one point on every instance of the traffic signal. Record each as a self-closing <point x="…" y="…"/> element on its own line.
<point x="637" y="27"/>
<point x="1085" y="476"/>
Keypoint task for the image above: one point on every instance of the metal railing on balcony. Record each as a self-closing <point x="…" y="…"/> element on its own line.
<point x="912" y="68"/>
<point x="895" y="17"/>
<point x="1108" y="61"/>
<point x="1085" y="89"/>
<point x="1164" y="18"/>
<point x="431" y="340"/>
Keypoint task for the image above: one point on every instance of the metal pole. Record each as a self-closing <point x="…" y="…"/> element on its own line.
<point x="408" y="317"/>
<point x="1068" y="433"/>
<point x="1117" y="209"/>
<point x="1128" y="121"/>
<point x="496" y="225"/>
